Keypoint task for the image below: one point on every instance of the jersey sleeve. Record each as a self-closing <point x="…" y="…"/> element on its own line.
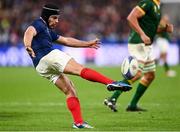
<point x="38" y="26"/>
<point x="144" y="6"/>
<point x="54" y="36"/>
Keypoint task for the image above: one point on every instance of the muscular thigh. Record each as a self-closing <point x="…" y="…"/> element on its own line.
<point x="73" y="67"/>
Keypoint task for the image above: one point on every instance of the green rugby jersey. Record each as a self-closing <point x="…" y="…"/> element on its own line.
<point x="164" y="35"/>
<point x="149" y="22"/>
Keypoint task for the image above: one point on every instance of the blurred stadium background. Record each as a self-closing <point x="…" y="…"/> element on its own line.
<point x="85" y="19"/>
<point x="28" y="102"/>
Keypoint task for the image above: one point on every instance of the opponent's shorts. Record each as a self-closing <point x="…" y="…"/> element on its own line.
<point x="144" y="55"/>
<point x="162" y="44"/>
<point x="52" y="65"/>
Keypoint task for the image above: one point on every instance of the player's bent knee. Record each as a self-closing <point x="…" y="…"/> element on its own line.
<point x="139" y="74"/>
<point x="150" y="76"/>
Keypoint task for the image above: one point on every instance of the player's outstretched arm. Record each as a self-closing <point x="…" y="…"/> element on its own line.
<point x="28" y="36"/>
<point x="72" y="42"/>
<point x="164" y="25"/>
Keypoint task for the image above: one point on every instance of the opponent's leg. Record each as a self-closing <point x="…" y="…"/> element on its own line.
<point x="111" y="101"/>
<point x="142" y="87"/>
<point x="169" y="72"/>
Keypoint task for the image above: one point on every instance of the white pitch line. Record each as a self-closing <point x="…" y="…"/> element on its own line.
<point x="11" y="104"/>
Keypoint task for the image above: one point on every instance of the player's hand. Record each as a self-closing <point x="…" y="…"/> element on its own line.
<point x="169" y="28"/>
<point x="94" y="43"/>
<point x="30" y="51"/>
<point x="146" y="39"/>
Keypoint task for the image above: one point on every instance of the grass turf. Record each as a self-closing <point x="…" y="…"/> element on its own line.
<point x="29" y="102"/>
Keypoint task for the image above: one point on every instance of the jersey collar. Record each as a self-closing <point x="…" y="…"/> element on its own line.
<point x="43" y="20"/>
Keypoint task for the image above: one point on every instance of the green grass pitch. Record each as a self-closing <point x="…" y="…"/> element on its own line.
<point x="30" y="102"/>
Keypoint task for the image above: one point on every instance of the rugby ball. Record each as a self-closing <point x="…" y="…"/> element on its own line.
<point x="129" y="67"/>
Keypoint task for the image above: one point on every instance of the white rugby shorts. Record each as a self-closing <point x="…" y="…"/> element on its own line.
<point x="162" y="44"/>
<point x="144" y="55"/>
<point x="52" y="65"/>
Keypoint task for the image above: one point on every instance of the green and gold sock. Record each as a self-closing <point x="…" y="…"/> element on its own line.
<point x="116" y="95"/>
<point x="139" y="92"/>
<point x="166" y="66"/>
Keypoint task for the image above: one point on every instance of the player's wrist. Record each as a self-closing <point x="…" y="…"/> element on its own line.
<point x="88" y="43"/>
<point x="142" y="33"/>
<point x="27" y="46"/>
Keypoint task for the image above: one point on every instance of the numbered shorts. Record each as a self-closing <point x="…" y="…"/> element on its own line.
<point x="162" y="44"/>
<point x="53" y="64"/>
<point x="144" y="55"/>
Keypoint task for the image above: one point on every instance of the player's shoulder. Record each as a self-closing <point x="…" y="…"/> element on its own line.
<point x="146" y="1"/>
<point x="145" y="4"/>
<point x="38" y="24"/>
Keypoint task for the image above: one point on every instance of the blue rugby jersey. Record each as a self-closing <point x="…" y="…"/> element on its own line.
<point x="42" y="43"/>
